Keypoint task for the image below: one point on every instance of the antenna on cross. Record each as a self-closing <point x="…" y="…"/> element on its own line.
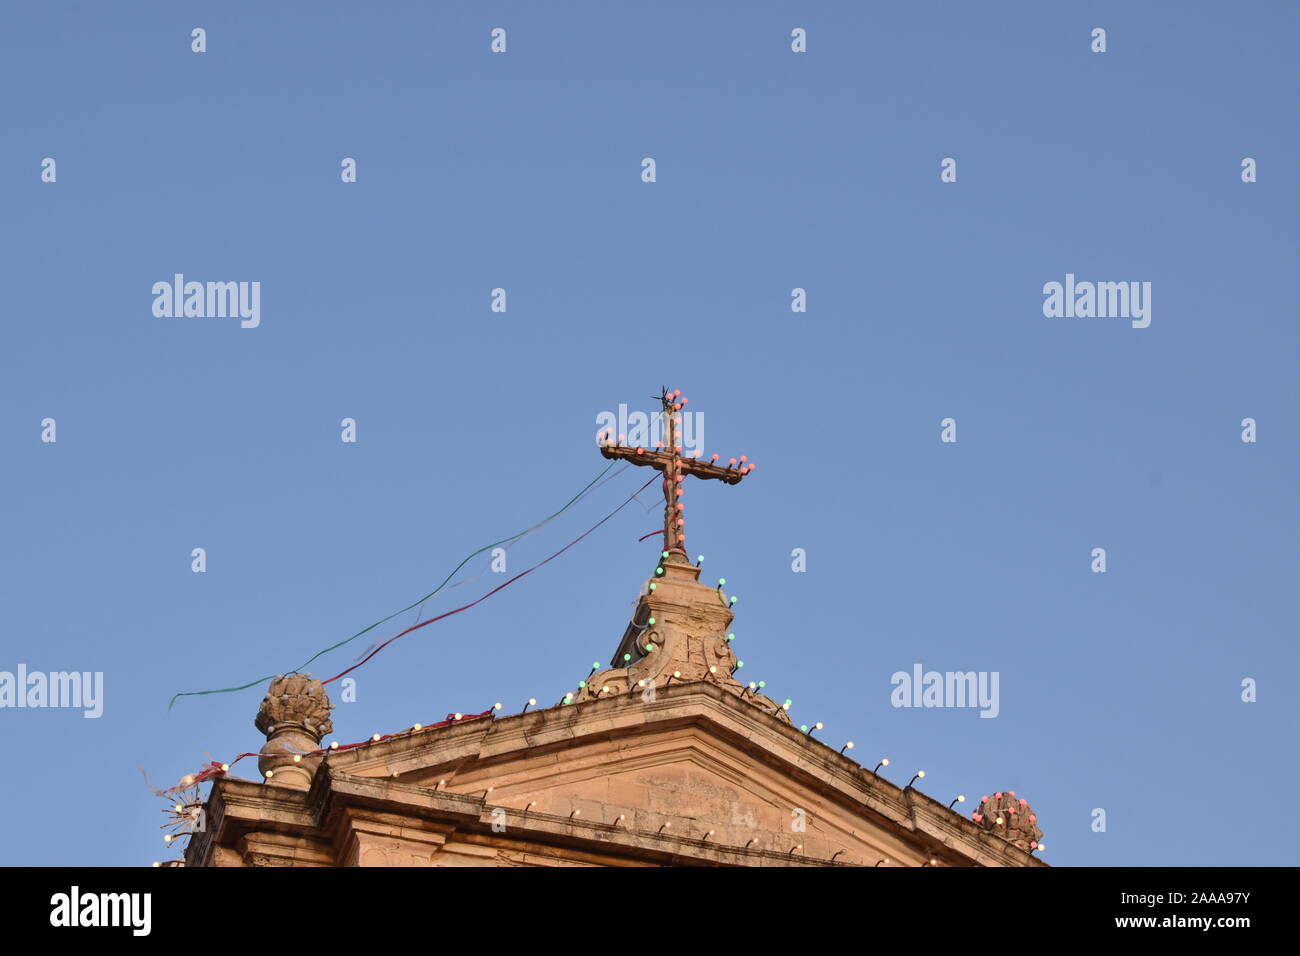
<point x="675" y="467"/>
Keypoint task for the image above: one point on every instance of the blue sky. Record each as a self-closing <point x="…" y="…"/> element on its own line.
<point x="775" y="170"/>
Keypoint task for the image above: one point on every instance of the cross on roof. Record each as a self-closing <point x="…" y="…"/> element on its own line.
<point x="668" y="459"/>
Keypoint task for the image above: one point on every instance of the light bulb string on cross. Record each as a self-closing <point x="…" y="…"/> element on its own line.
<point x="675" y="466"/>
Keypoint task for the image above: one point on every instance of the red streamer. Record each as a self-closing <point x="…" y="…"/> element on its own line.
<point x="499" y="587"/>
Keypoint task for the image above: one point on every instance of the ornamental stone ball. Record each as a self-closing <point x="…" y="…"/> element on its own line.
<point x="295" y="715"/>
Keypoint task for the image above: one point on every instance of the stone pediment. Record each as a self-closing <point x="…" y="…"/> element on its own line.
<point x="693" y="776"/>
<point x="664" y="757"/>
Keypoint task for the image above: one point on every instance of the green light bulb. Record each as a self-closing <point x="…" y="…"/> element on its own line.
<point x="663" y="554"/>
<point x="731" y="637"/>
<point x="627" y="657"/>
<point x="721" y="581"/>
<point x="650" y="621"/>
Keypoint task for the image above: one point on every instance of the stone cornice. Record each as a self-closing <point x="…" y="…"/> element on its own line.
<point x="363" y="777"/>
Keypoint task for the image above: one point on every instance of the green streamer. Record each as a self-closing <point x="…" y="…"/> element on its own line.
<point x="414" y="604"/>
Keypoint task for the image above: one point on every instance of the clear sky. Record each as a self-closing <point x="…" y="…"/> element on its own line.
<point x="775" y="171"/>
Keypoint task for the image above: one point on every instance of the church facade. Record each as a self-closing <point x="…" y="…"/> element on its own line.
<point x="665" y="758"/>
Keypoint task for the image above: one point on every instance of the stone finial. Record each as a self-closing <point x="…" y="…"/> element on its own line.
<point x="1011" y="818"/>
<point x="678" y="634"/>
<point x="295" y="715"/>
